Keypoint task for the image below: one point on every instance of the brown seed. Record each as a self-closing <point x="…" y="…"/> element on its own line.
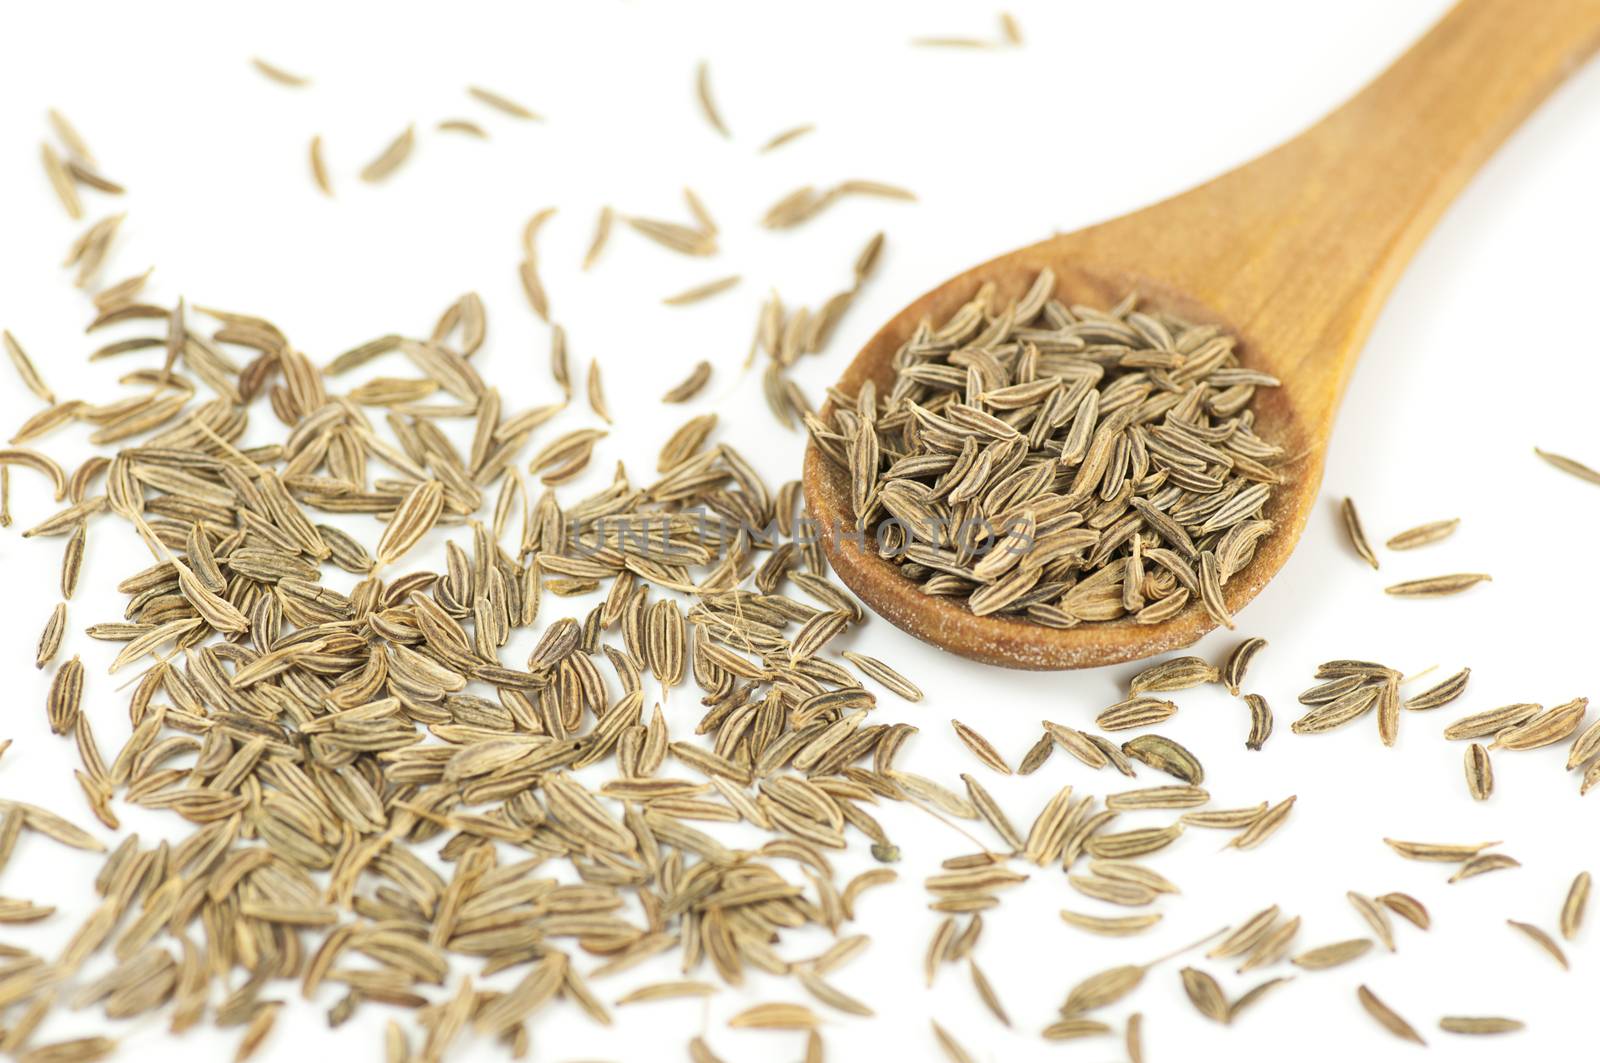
<point x="1492" y="721"/>
<point x="1260" y="721"/>
<point x="1111" y="926"/>
<point x="701" y="292"/>
<point x="1479" y="865"/>
<point x="278" y="74"/>
<point x="1479" y="1024"/>
<point x="986" y="994"/>
<point x="1435" y="852"/>
<point x="1246" y="935"/>
<point x="597" y="398"/>
<point x="708" y="106"/>
<point x="66" y="697"/>
<point x="790" y="134"/>
<point x="1164" y="754"/>
<point x="1386" y="1016"/>
<point x="1326" y="956"/>
<point x="1180" y="673"/>
<point x="1567" y="465"/>
<point x="1358" y="537"/>
<point x="951" y="1047"/>
<point x="1572" y="908"/>
<point x="1480" y="773"/>
<point x="1226" y="818"/>
<point x="692" y="385"/>
<point x="463" y="125"/>
<point x="1423" y="534"/>
<point x="503" y="104"/>
<point x="1255" y="994"/>
<point x="26" y="369"/>
<point x="1549" y="727"/>
<point x="50" y="639"/>
<point x="392" y="156"/>
<point x="1138" y="711"/>
<point x="1375" y="917"/>
<point x="1441" y="693"/>
<point x="1037" y="754"/>
<point x="319" y="168"/>
<point x="1263" y="828"/>
<point x="1543" y="940"/>
<point x="61" y="181"/>
<point x="1437" y="586"/>
<point x="1407" y="907"/>
<point x="1239" y="659"/>
<point x="1205" y="994"/>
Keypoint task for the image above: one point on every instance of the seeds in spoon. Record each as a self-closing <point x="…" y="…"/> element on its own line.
<point x="1070" y="463"/>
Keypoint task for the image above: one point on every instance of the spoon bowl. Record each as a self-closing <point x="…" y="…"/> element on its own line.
<point x="1293" y="254"/>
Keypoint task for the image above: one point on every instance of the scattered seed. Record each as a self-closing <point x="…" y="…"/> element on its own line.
<point x="503" y="104"/>
<point x="1386" y="1016"/>
<point x="1423" y="534"/>
<point x="1437" y="586"/>
<point x="389" y="160"/>
<point x="280" y="75"/>
<point x="1358" y="537"/>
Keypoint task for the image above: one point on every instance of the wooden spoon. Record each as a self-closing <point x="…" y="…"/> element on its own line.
<point x="1293" y="253"/>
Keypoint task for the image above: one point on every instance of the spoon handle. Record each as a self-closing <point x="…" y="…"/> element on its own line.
<point x="1325" y="222"/>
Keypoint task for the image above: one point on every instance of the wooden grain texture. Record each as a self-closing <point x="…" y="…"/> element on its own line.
<point x="1294" y="253"/>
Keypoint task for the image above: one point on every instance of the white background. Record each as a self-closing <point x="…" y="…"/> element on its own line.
<point x="1485" y="350"/>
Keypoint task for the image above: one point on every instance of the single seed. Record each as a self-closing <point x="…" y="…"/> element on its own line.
<point x="1480" y="865"/>
<point x="1441" y="693"/>
<point x="1479" y="1024"/>
<point x="1423" y="534"/>
<point x="1568" y="465"/>
<point x="1407" y="907"/>
<point x="1238" y="661"/>
<point x="1387" y="1017"/>
<point x="1437" y="586"/>
<point x="1480" y="773"/>
<point x="1358" y="537"/>
<point x="1573" y="907"/>
<point x="1543" y="940"/>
